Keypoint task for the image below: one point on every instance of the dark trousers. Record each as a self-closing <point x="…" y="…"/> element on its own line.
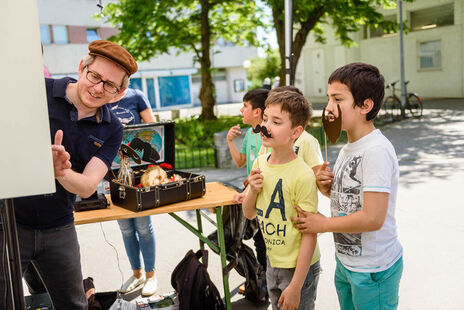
<point x="56" y="255"/>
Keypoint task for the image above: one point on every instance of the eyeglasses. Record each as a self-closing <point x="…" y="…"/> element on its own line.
<point x="95" y="78"/>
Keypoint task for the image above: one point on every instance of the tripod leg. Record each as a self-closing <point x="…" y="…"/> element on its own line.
<point x="12" y="253"/>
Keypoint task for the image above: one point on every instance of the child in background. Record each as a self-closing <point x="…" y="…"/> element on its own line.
<point x="252" y="114"/>
<point x="362" y="191"/>
<point x="277" y="182"/>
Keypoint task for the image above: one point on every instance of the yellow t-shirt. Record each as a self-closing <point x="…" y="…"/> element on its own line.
<point x="306" y="147"/>
<point x="284" y="186"/>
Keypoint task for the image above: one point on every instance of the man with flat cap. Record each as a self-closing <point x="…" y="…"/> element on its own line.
<point x="86" y="137"/>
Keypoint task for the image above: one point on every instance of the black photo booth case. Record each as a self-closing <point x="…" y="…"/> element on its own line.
<point x="161" y="136"/>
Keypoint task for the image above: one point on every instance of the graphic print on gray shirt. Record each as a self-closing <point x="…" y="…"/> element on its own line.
<point x="346" y="199"/>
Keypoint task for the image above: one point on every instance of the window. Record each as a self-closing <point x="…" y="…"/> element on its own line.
<point x="430" y="55"/>
<point x="136" y="83"/>
<point x="239" y="85"/>
<point x="371" y="32"/>
<point x="433" y="17"/>
<point x="45" y="36"/>
<point x="60" y="34"/>
<point x="92" y="35"/>
<point x="151" y="92"/>
<point x="174" y="90"/>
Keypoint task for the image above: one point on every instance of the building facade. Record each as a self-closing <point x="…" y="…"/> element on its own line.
<point x="169" y="81"/>
<point x="433" y="52"/>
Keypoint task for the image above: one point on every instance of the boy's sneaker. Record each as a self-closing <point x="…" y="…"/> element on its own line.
<point x="131" y="284"/>
<point x="150" y="287"/>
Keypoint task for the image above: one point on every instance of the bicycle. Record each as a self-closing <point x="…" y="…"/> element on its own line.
<point x="392" y="104"/>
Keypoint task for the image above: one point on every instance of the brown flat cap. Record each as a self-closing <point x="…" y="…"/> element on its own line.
<point x="115" y="53"/>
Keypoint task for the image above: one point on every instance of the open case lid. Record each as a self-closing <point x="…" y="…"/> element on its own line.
<point x="160" y="136"/>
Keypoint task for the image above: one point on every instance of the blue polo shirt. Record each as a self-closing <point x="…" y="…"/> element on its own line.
<point x="128" y="108"/>
<point x="99" y="135"/>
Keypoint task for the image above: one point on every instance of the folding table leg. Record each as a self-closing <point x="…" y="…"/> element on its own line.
<point x="200" y="228"/>
<point x="222" y="251"/>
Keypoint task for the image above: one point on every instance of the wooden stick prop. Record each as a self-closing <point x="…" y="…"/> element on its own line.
<point x="325" y="145"/>
<point x="256" y="136"/>
<point x="332" y="127"/>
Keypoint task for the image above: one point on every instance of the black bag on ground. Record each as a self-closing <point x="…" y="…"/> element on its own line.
<point x="195" y="289"/>
<point x="255" y="277"/>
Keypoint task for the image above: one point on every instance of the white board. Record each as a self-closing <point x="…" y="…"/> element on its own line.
<point x="26" y="166"/>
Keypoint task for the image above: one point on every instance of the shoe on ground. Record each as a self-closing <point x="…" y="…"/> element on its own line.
<point x="150" y="287"/>
<point x="241" y="289"/>
<point x="131" y="284"/>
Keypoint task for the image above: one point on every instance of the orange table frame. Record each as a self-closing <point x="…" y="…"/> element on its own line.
<point x="216" y="196"/>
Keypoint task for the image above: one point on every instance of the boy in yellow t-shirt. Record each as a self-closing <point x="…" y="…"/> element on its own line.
<point x="277" y="182"/>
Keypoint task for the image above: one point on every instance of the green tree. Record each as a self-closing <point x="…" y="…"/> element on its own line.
<point x="149" y="28"/>
<point x="263" y="67"/>
<point x="345" y="16"/>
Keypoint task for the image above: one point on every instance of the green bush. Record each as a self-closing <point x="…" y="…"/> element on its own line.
<point x="192" y="132"/>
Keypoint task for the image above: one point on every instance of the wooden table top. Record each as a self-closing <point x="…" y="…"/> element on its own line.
<point x="216" y="194"/>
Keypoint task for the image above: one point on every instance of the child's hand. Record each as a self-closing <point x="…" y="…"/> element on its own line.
<point x="255" y="180"/>
<point x="245" y="182"/>
<point x="290" y="298"/>
<point x="308" y="222"/>
<point x="233" y="132"/>
<point x="324" y="178"/>
<point x="238" y="198"/>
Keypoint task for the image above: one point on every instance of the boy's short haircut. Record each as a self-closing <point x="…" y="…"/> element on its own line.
<point x="286" y="87"/>
<point x="257" y="97"/>
<point x="364" y="82"/>
<point x="298" y="108"/>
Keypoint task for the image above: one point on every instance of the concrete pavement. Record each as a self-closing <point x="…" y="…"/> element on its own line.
<point x="430" y="153"/>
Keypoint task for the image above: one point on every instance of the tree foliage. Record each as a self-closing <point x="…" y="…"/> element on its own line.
<point x="264" y="67"/>
<point x="150" y="28"/>
<point x="344" y="16"/>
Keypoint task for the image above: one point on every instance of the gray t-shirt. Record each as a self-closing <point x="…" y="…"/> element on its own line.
<point x="367" y="165"/>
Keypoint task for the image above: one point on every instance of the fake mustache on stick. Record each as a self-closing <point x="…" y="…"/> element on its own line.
<point x="332" y="128"/>
<point x="262" y="129"/>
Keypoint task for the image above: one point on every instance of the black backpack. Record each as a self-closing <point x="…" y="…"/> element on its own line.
<point x="195" y="289"/>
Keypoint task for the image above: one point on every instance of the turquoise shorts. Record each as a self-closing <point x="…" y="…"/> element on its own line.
<point x="368" y="291"/>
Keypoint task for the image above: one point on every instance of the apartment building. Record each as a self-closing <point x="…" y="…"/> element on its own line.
<point x="433" y="51"/>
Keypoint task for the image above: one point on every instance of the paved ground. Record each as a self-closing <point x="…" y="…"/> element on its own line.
<point x="430" y="152"/>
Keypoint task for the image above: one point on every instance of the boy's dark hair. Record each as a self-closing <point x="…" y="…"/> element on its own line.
<point x="364" y="82"/>
<point x="294" y="103"/>
<point x="257" y="97"/>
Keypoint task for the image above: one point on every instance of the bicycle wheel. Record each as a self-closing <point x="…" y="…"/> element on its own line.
<point x="392" y="107"/>
<point x="415" y="106"/>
